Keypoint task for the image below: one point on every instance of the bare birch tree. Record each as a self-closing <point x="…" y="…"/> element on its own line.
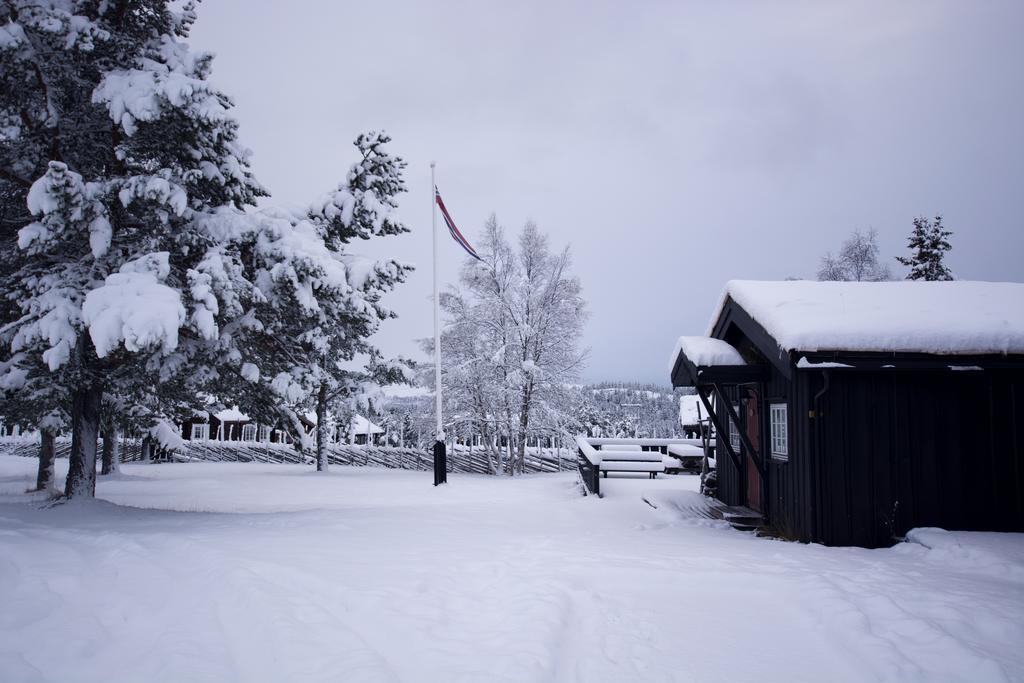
<point x="511" y="344"/>
<point x="857" y="260"/>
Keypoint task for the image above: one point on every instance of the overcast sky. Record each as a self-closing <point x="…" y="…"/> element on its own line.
<point x="674" y="145"/>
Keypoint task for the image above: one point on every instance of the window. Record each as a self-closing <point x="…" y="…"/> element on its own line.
<point x="248" y="432"/>
<point x="779" y="417"/>
<point x="734" y="431"/>
<point x="200" y="432"/>
<point x="264" y="433"/>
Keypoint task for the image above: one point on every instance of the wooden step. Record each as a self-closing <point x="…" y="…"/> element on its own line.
<point x="743" y="518"/>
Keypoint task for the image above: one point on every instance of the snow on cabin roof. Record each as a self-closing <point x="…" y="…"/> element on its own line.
<point x="232" y="414"/>
<point x="958" y="317"/>
<point x="706" y="352"/>
<point x="360" y="425"/>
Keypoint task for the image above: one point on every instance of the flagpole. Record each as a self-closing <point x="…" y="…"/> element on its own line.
<point x="440" y="464"/>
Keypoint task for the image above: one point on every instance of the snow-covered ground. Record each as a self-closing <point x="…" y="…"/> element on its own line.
<point x="247" y="572"/>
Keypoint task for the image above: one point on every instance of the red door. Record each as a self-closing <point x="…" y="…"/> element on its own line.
<point x="754" y="434"/>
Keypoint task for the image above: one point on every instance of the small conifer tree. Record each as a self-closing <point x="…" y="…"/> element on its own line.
<point x="928" y="245"/>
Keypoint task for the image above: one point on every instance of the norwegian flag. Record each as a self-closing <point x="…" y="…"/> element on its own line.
<point x="456" y="235"/>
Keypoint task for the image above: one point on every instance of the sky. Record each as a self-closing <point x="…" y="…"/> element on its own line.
<point x="674" y="146"/>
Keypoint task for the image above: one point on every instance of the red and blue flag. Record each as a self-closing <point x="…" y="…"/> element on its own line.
<point x="456" y="235"/>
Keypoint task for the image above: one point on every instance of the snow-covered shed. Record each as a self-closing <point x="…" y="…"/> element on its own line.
<point x="364" y="431"/>
<point x="692" y="416"/>
<point x="359" y="431"/>
<point x="851" y="412"/>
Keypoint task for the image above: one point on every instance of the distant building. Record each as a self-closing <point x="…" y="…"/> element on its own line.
<point x="849" y="413"/>
<point x="231" y="424"/>
<point x="692" y="417"/>
<point x="364" y="431"/>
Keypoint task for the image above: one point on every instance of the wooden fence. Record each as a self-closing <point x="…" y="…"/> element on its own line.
<point x="460" y="459"/>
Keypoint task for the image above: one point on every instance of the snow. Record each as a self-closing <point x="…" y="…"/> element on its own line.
<point x="360" y="425"/>
<point x="686" y="450"/>
<point x="589" y="452"/>
<point x="11" y="35"/>
<point x="58" y="316"/>
<point x="167" y="435"/>
<point x="670" y="463"/>
<point x="99" y="236"/>
<point x="136" y="96"/>
<point x="688" y="411"/>
<point x="134" y="306"/>
<point x="154" y="189"/>
<point x="958" y="317"/>
<point x="803" y="363"/>
<point x="357" y="425"/>
<point x="246" y="572"/>
<point x="705" y="352"/>
<point x="232" y="414"/>
<point x="286" y="387"/>
<point x="250" y="372"/>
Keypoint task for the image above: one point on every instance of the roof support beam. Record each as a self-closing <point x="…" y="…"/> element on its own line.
<point x="720" y="429"/>
<point x="755" y="455"/>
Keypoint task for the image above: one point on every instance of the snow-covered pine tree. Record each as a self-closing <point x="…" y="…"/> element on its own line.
<point x="361" y="207"/>
<point x="928" y="245"/>
<point x="29" y="398"/>
<point x="146" y="273"/>
<point x="308" y="341"/>
<point x="119" y="146"/>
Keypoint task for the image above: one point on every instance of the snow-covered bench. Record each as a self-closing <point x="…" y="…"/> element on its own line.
<point x="689" y="456"/>
<point x="625" y="459"/>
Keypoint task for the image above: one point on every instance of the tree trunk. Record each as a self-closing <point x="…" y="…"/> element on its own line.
<point x="147" y="447"/>
<point x="321" y="428"/>
<point x="493" y="463"/>
<point x="298" y="432"/>
<point x="524" y="424"/>
<point x="115" y="452"/>
<point x="47" y="452"/>
<point x="109" y="450"/>
<point x="85" y="427"/>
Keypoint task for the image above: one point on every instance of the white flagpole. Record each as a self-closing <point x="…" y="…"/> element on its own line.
<point x="437" y="317"/>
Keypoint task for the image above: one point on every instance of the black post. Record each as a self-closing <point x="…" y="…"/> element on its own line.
<point x="440" y="464"/>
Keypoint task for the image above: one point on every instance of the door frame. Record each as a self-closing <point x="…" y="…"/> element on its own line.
<point x="753" y="482"/>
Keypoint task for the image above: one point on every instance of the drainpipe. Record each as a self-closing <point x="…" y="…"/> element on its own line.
<point x="818" y="445"/>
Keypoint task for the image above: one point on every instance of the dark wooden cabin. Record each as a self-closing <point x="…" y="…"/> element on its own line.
<point x="231" y="425"/>
<point x="851" y="413"/>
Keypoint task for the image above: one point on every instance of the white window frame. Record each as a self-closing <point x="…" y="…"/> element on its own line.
<point x="778" y="419"/>
<point x="200" y="431"/>
<point x="248" y="432"/>
<point x="264" y="434"/>
<point x="734" y="431"/>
